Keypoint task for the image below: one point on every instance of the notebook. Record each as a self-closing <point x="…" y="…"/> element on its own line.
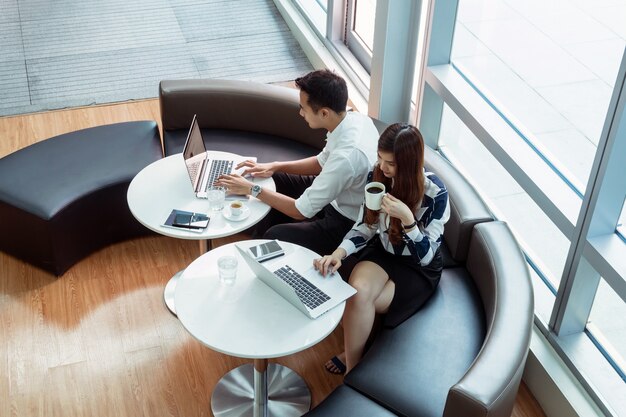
<point x="203" y="171"/>
<point x="302" y="286"/>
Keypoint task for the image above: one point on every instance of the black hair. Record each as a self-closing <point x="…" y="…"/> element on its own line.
<point x="325" y="89"/>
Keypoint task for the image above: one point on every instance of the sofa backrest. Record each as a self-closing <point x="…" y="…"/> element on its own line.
<point x="500" y="273"/>
<point x="236" y="105"/>
<point x="467" y="208"/>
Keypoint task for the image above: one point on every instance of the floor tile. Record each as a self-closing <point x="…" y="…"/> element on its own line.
<point x="529" y="52"/>
<point x="530" y="8"/>
<point x="68" y="9"/>
<point x="111" y="75"/>
<point x="11" y="41"/>
<point x="13" y="85"/>
<point x="465" y="150"/>
<point x="572" y="152"/>
<point x="9" y="11"/>
<point x="466" y="44"/>
<point x="91" y="34"/>
<point x="542" y="240"/>
<point x="584" y="104"/>
<point x="601" y="57"/>
<point x="572" y="26"/>
<point x="614" y="17"/>
<point x="269" y="57"/>
<point x="479" y="10"/>
<point x="206" y="21"/>
<point x="510" y="93"/>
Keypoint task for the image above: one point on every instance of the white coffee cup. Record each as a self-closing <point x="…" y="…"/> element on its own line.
<point x="374" y="193"/>
<point x="236" y="208"/>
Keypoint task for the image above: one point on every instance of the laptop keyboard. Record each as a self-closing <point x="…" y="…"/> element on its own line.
<point x="218" y="167"/>
<point x="308" y="293"/>
<point x="193" y="169"/>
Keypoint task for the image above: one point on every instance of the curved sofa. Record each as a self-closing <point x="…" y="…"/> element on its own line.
<point x="463" y="353"/>
<point x="64" y="198"/>
<point x="242" y="117"/>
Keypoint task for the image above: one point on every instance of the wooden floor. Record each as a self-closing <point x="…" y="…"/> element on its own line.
<point x="98" y="341"/>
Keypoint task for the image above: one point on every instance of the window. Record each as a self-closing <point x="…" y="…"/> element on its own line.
<point x="360" y="30"/>
<point x="527" y="100"/>
<point x="549" y="68"/>
<point x="621" y="224"/>
<point x="316" y="12"/>
<point x="537" y="234"/>
<point x="608" y="332"/>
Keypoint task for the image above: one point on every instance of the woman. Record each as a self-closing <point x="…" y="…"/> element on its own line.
<point x="399" y="262"/>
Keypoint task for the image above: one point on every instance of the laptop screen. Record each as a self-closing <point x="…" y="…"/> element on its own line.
<point x="194" y="152"/>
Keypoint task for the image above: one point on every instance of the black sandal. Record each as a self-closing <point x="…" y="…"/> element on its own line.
<point x="341" y="367"/>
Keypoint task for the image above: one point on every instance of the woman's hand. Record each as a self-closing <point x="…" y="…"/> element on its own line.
<point x="329" y="264"/>
<point x="255" y="169"/>
<point x="396" y="208"/>
<point x="235" y="184"/>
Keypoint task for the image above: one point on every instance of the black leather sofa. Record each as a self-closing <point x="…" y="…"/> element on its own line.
<point x="65" y="197"/>
<point x="242" y="117"/>
<point x="463" y="353"/>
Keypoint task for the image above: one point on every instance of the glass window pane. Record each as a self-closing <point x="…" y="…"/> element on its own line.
<point x="549" y="67"/>
<point x="621" y="228"/>
<point x="364" y="18"/>
<point x="542" y="241"/>
<point x="604" y="326"/>
<point x="316" y="12"/>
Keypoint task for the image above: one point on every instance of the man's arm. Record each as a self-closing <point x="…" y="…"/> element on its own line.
<point x="281" y="202"/>
<point x="306" y="166"/>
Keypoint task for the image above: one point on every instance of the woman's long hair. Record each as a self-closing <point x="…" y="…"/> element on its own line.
<point x="407" y="145"/>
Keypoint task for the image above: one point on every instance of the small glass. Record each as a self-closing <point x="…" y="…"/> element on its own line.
<point x="227" y="267"/>
<point x="216" y="197"/>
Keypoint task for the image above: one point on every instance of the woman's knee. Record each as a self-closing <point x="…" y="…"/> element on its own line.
<point x="363" y="286"/>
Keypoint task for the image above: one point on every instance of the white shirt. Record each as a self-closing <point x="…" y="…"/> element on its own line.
<point x="346" y="159"/>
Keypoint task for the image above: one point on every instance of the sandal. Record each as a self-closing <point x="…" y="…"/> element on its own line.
<point x="339" y="366"/>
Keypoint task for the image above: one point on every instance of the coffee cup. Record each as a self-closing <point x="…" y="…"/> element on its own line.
<point x="236" y="208"/>
<point x="374" y="193"/>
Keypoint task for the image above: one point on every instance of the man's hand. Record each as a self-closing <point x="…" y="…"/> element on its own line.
<point x="255" y="169"/>
<point x="235" y="184"/>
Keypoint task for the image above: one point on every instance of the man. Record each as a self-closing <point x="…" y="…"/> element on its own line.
<point x="326" y="190"/>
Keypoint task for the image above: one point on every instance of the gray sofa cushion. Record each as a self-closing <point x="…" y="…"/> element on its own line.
<point x="344" y="401"/>
<point x="409" y="369"/>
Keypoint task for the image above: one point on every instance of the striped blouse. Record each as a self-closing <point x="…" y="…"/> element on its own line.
<point x="423" y="241"/>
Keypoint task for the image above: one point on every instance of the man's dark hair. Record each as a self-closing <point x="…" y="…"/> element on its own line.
<point x="325" y="89"/>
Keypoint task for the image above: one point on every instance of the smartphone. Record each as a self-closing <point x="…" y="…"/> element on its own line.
<point x="191" y="220"/>
<point x="266" y="251"/>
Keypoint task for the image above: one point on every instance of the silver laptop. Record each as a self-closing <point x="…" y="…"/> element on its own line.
<point x="305" y="288"/>
<point x="203" y="171"/>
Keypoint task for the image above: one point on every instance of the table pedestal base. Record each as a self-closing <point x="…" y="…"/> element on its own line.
<point x="170" y="291"/>
<point x="241" y="393"/>
<point x="170" y="287"/>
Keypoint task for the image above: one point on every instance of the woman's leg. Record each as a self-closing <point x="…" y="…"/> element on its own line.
<point x="374" y="294"/>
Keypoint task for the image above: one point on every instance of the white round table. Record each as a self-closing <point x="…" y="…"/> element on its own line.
<point x="250" y="320"/>
<point x="165" y="185"/>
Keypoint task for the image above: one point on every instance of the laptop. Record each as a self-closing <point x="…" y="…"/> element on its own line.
<point x="203" y="171"/>
<point x="305" y="288"/>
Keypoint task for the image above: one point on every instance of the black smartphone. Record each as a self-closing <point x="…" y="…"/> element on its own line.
<point x="191" y="220"/>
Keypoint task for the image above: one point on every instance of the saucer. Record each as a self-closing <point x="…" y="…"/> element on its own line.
<point x="245" y="212"/>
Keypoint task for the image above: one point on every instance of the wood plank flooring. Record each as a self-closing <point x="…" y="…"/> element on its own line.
<point x="98" y="341"/>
